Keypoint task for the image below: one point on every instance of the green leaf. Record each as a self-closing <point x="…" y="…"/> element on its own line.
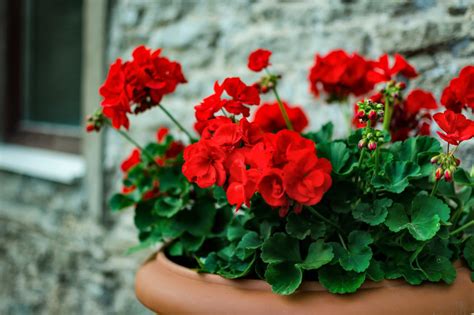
<point x="439" y="268"/>
<point x="374" y="214"/>
<point x="427" y="212"/>
<point x="284" y="277"/>
<point x="144" y="217"/>
<point x="167" y="206"/>
<point x="339" y="281"/>
<point x="397" y="218"/>
<point x="461" y="177"/>
<point x="358" y="254"/>
<point x="319" y="254"/>
<point x="281" y="248"/>
<point x="301" y="225"/>
<point x="198" y="220"/>
<point x="119" y="202"/>
<point x="416" y="149"/>
<point x="375" y="271"/>
<point x="323" y="135"/>
<point x="469" y="252"/>
<point x="336" y="152"/>
<point x="250" y="240"/>
<point x="397" y="176"/>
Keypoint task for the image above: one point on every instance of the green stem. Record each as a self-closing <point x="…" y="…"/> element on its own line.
<point x="342" y="241"/>
<point x="462" y="228"/>
<point x="387" y="117"/>
<point x="435" y="188"/>
<point x="283" y="110"/>
<point x="316" y="213"/>
<point x="377" y="155"/>
<point x="191" y="139"/>
<point x="127" y="137"/>
<point x="457" y="214"/>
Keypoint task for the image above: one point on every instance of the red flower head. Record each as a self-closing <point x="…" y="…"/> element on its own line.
<point x="459" y="93"/>
<point x="382" y="71"/>
<point x="259" y="60"/>
<point x="240" y="95"/>
<point x="243" y="184"/>
<point x="132" y="160"/>
<point x="161" y="134"/>
<point x="115" y="103"/>
<point x="270" y="119"/>
<point x="204" y="164"/>
<point x="456" y="127"/>
<point x="340" y="74"/>
<point x="307" y="178"/>
<point x="272" y="189"/>
<point x="418" y="100"/>
<point x="135" y="86"/>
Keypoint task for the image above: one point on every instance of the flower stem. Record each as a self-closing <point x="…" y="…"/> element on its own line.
<point x="127" y="137"/>
<point x="387" y="117"/>
<point x="342" y="241"/>
<point x="283" y="110"/>
<point x="435" y="188"/>
<point x="316" y="213"/>
<point x="462" y="228"/>
<point x="191" y="139"/>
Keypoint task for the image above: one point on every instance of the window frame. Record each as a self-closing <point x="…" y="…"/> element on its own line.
<point x="54" y="137"/>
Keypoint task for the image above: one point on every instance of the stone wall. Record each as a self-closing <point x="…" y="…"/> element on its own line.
<point x="56" y="260"/>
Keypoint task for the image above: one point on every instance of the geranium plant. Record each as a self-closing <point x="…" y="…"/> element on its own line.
<point x="253" y="195"/>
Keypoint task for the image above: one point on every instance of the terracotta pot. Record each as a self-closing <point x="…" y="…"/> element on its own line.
<point x="167" y="288"/>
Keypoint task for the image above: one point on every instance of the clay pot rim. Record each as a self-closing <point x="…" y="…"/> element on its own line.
<point x="260" y="285"/>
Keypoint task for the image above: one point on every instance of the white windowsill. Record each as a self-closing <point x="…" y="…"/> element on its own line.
<point x="55" y="166"/>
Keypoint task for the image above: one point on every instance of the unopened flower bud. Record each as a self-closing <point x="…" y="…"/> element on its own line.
<point x="448" y="175"/>
<point x="372" y="145"/>
<point x="439" y="173"/>
<point x="402" y="85"/>
<point x="458" y="161"/>
<point x="361" y="143"/>
<point x="90" y="127"/>
<point x="360" y="114"/>
<point x="434" y="159"/>
<point x="372" y="115"/>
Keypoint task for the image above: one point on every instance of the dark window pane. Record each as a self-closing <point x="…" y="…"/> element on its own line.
<point x="52" y="61"/>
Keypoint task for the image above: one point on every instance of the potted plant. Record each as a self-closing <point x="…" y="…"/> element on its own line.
<point x="258" y="216"/>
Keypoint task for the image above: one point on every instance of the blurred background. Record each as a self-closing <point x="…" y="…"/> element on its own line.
<point x="61" y="251"/>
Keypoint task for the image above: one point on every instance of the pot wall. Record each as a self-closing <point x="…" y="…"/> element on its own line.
<point x="167" y="288"/>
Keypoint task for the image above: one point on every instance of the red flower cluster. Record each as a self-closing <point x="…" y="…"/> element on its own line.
<point x="382" y="72"/>
<point x="457" y="128"/>
<point x="137" y="85"/>
<point x="259" y="59"/>
<point x="240" y="95"/>
<point x="269" y="118"/>
<point x="239" y="157"/>
<point x="340" y="74"/>
<point x="411" y="117"/>
<point x="459" y="93"/>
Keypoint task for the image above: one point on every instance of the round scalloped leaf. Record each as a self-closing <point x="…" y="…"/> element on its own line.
<point x="319" y="254"/>
<point x="281" y="248"/>
<point x="337" y="280"/>
<point x="284" y="277"/>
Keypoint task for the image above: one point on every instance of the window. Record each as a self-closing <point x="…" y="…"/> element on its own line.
<point x="43" y="81"/>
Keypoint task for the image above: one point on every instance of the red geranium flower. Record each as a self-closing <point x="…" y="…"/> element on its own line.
<point x="270" y="119"/>
<point x="307" y="179"/>
<point x="340" y="74"/>
<point x="259" y="60"/>
<point x="418" y="100"/>
<point x="137" y="85"/>
<point x="459" y="93"/>
<point x="132" y="160"/>
<point x="204" y="164"/>
<point x="457" y="128"/>
<point x="382" y="71"/>
<point x="240" y="95"/>
<point x="272" y="189"/>
<point x="116" y="103"/>
<point x="243" y="184"/>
